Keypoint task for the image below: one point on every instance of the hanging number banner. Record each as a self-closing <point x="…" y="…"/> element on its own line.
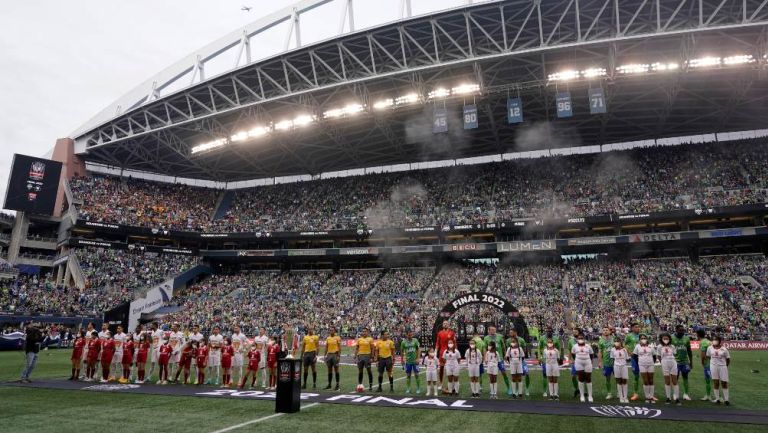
<point x="470" y="116"/>
<point x="440" y="121"/>
<point x="514" y="110"/>
<point x="597" y="101"/>
<point x="563" y="104"/>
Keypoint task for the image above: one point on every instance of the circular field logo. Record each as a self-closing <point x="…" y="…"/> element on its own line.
<point x="626" y="411"/>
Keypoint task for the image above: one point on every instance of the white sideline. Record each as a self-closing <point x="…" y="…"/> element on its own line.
<point x="258" y="420"/>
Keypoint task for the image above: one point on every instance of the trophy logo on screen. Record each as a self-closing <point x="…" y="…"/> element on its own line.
<point x="35" y="180"/>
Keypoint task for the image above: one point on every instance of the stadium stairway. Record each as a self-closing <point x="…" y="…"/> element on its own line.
<point x="222" y="206"/>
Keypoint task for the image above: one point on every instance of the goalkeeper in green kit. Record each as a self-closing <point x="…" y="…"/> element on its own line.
<point x="410" y="354"/>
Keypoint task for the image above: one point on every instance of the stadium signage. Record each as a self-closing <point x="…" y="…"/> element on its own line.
<point x="102" y="225"/>
<point x="465" y="247"/>
<point x="256" y="253"/>
<point x="738" y="345"/>
<point x="154" y="299"/>
<point x="592" y="241"/>
<point x="358" y="251"/>
<point x="347" y="398"/>
<point x="634" y="216"/>
<point x="214" y="235"/>
<point x="307" y="252"/>
<point x="518" y="246"/>
<point x="419" y="229"/>
<point x="313" y="233"/>
<point x="478" y="298"/>
<point x="575" y="220"/>
<point x="654" y="237"/>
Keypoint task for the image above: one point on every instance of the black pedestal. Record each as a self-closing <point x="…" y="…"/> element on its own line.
<point x="288" y="397"/>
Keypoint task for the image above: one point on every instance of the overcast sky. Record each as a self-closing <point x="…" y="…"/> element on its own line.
<point x="61" y="62"/>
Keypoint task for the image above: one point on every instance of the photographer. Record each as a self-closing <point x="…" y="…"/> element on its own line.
<point x="31" y="347"/>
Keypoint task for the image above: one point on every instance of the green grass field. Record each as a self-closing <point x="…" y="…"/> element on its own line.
<point x="39" y="410"/>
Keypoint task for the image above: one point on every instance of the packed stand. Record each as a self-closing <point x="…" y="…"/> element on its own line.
<point x="126" y="271"/>
<point x="136" y="202"/>
<point x="682" y="292"/>
<point x="603" y="294"/>
<point x="749" y="298"/>
<point x="639" y="180"/>
<point x="36" y="294"/>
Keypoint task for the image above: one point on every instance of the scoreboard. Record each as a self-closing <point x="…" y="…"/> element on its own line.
<point x="33" y="185"/>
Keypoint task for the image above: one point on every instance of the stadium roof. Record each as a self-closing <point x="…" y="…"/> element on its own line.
<point x="666" y="67"/>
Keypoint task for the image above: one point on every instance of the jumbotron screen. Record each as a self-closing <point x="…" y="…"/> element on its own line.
<point x="33" y="185"/>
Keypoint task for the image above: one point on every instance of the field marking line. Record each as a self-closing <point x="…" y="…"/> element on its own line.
<point x="258" y="420"/>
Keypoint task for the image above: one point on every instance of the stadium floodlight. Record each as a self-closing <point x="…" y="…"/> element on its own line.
<point x="661" y="67"/>
<point x="463" y="89"/>
<point x="303" y="120"/>
<point x="633" y="68"/>
<point x="740" y="59"/>
<point x="284" y="125"/>
<point x="704" y="62"/>
<point x="567" y="75"/>
<point x="334" y="113"/>
<point x="209" y="146"/>
<point x="440" y="92"/>
<point x="240" y="136"/>
<point x="353" y="109"/>
<point x="384" y="104"/>
<point x="410" y="98"/>
<point x="258" y="131"/>
<point x="593" y="72"/>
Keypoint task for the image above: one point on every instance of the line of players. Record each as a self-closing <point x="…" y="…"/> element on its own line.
<point x="123" y="357"/>
<point x="174" y="354"/>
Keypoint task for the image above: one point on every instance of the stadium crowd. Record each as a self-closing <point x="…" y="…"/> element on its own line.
<point x="639" y="180"/>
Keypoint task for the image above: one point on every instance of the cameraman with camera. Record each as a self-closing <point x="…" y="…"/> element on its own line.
<point x="31" y="347"/>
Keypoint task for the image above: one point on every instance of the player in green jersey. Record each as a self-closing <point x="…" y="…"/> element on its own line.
<point x="630" y="341"/>
<point x="410" y="353"/>
<point x="501" y="350"/>
<point x="604" y="360"/>
<point x="683" y="356"/>
<point x="548" y="334"/>
<point x="524" y="345"/>
<point x="704" y="344"/>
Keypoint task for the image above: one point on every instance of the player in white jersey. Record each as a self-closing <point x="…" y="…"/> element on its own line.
<point x="645" y="353"/>
<point x="215" y="342"/>
<point x="452" y="357"/>
<point x="137" y="334"/>
<point x="666" y="351"/>
<point x="492" y="368"/>
<point x="157" y="336"/>
<point x="261" y="341"/>
<point x="103" y="336"/>
<point x="516" y="357"/>
<point x="239" y="341"/>
<point x="176" y="341"/>
<point x="117" y="360"/>
<point x="431" y="363"/>
<point x="719" y="361"/>
<point x="196" y="337"/>
<point x="88" y="337"/>
<point x="620" y="357"/>
<point x="582" y="358"/>
<point x="551" y="358"/>
<point x="474" y="358"/>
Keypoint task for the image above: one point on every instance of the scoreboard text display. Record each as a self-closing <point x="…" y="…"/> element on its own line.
<point x="33" y="185"/>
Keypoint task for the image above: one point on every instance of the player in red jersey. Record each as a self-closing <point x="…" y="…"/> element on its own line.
<point x="444" y="336"/>
<point x="162" y="360"/>
<point x="202" y="360"/>
<point x="107" y="352"/>
<point x="273" y="349"/>
<point x="227" y="353"/>
<point x="141" y="355"/>
<point x="188" y="352"/>
<point x="77" y="355"/>
<point x="127" y="360"/>
<point x="254" y="359"/>
<point x="94" y="347"/>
